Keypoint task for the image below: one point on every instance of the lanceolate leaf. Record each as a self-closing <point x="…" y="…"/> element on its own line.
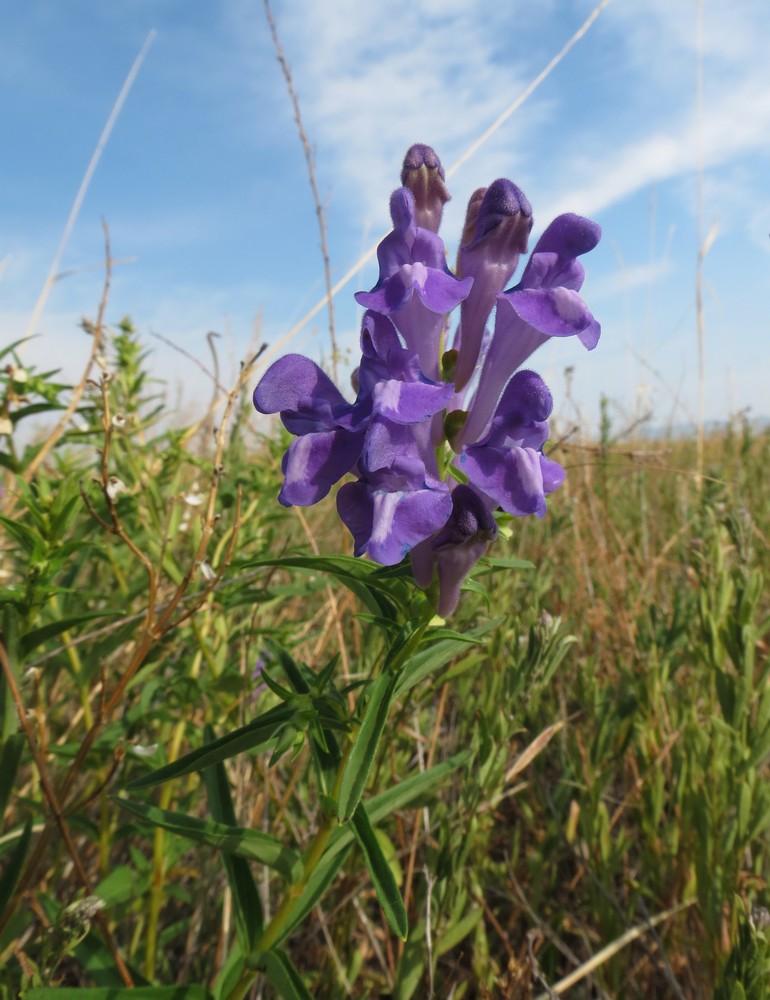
<point x="255" y="734"/>
<point x="380" y="806"/>
<point x="118" y="993"/>
<point x="359" y="577"/>
<point x="436" y="655"/>
<point x="13" y="866"/>
<point x="248" y="907"/>
<point x="284" y="977"/>
<point x="362" y="753"/>
<point x="381" y="873"/>
<point x="234" y="840"/>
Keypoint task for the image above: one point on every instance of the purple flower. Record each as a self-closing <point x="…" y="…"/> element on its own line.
<point x="455" y="550"/>
<point x="508" y="465"/>
<point x="497" y="226"/>
<point x="544" y="304"/>
<point x="398" y="436"/>
<point x="398" y="500"/>
<point x="415" y="288"/>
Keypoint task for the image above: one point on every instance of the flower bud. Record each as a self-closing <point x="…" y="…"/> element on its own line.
<point x="423" y="174"/>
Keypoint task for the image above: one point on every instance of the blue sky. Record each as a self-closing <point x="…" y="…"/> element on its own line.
<point x="204" y="186"/>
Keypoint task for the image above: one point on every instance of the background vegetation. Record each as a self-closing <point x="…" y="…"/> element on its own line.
<point x="599" y="821"/>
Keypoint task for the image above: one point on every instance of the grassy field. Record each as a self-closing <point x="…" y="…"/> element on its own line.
<point x="574" y="800"/>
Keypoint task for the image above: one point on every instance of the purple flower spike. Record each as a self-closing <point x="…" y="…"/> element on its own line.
<point x="544" y="304"/>
<point x="415" y="287"/>
<point x="508" y="465"/>
<point x="460" y="544"/>
<point x="503" y="220"/>
<point x="423" y="174"/>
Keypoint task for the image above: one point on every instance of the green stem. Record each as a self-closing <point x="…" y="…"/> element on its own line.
<point x="276" y="928"/>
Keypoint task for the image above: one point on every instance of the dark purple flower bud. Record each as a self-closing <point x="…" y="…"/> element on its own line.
<point x="423" y="174"/>
<point x="457" y="547"/>
<point x="501" y="223"/>
<point x="544" y="304"/>
<point x="508" y="464"/>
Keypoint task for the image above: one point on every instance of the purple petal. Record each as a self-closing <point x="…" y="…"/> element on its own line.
<point x="315" y="462"/>
<point x="294" y="383"/>
<point x="402" y="519"/>
<point x="557" y="312"/>
<point x="356" y="510"/>
<point x="512" y="477"/>
<point x="410" y="402"/>
<point x="569" y="235"/>
<point x="386" y="524"/>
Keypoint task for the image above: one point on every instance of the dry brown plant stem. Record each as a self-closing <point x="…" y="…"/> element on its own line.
<point x="56" y="811"/>
<point x="153" y="629"/>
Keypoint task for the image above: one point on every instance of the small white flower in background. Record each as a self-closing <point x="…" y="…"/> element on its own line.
<point x="206" y="571"/>
<point x="144" y="751"/>
<point x="119" y="421"/>
<point x="115" y="487"/>
<point x="194" y="498"/>
<point x="18" y="374"/>
<point x="6" y="426"/>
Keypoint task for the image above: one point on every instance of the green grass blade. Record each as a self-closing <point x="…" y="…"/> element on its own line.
<point x="381" y="873"/>
<point x="420" y="786"/>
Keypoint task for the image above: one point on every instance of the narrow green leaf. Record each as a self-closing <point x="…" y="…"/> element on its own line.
<point x="358" y="576"/>
<point x="283" y="976"/>
<point x="234" y="840"/>
<point x="248" y="907"/>
<point x="459" y="931"/>
<point x="383" y="879"/>
<point x="434" y="656"/>
<point x="490" y="564"/>
<point x="10" y="756"/>
<point x="27" y="537"/>
<point x="13" y="866"/>
<point x="248" y="737"/>
<point x="118" y="993"/>
<point x="40" y="635"/>
<point x="419" y="786"/>
<point x="364" y="748"/>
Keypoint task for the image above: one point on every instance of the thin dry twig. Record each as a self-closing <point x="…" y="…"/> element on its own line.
<point x="310" y="161"/>
<point x="54" y="805"/>
<point x="526" y="93"/>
